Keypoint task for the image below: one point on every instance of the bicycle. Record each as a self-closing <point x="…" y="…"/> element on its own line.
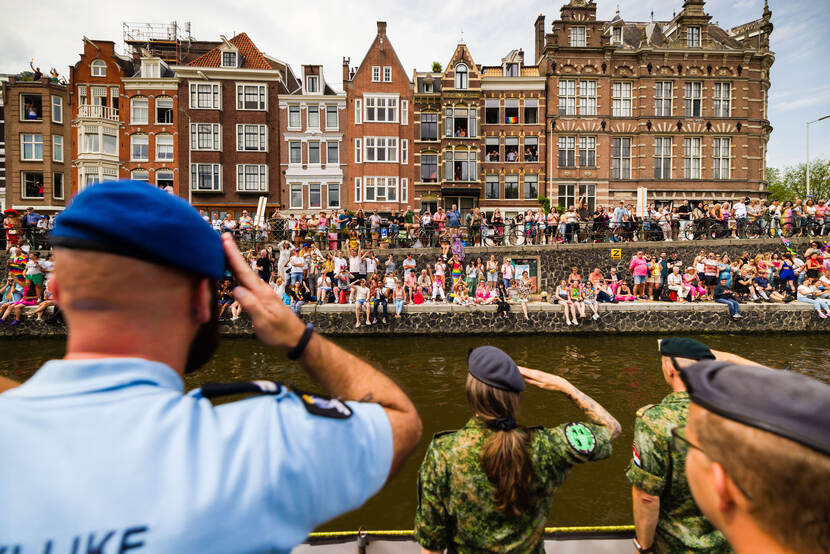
<point x="516" y="234"/>
<point x="494" y="235"/>
<point x="707" y="228"/>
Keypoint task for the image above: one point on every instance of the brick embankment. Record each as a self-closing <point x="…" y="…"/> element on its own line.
<point x="652" y="317"/>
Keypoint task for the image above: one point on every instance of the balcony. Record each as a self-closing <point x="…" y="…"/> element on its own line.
<point x="90" y="111"/>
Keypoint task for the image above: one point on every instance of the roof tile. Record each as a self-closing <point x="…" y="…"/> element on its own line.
<point x="252" y="58"/>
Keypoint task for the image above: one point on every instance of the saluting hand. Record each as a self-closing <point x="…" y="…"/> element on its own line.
<point x="273" y="322"/>
<point x="543" y="380"/>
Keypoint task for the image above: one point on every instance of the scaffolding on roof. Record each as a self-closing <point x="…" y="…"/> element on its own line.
<point x="146" y="32"/>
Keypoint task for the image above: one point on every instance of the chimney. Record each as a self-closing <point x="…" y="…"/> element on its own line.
<point x="539" y="28"/>
<point x="382" y="28"/>
<point x="345" y="69"/>
<point x="521" y="57"/>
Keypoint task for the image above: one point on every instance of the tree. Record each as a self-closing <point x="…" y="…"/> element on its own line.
<point x="792" y="181"/>
<point x="436" y="67"/>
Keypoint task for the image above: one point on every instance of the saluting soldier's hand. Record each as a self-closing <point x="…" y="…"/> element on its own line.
<point x="274" y="323"/>
<point x="543" y="380"/>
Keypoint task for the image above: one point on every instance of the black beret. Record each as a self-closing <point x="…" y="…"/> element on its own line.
<point x="494" y="367"/>
<point x="784" y="403"/>
<point x="680" y="347"/>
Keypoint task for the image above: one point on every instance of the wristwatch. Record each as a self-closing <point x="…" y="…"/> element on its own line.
<point x="642" y="550"/>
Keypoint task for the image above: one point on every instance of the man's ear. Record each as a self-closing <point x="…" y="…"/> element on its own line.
<point x="202" y="299"/>
<point x="724" y="488"/>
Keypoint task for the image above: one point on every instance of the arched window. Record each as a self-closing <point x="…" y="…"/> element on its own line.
<point x="139" y="111"/>
<point x="140" y="175"/>
<point x="462" y="79"/>
<point x="164" y="147"/>
<point x="99" y="68"/>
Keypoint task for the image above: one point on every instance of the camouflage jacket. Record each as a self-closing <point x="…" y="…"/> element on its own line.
<point x="658" y="469"/>
<point x="456" y="508"/>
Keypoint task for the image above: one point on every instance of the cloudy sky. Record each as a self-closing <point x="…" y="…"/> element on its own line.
<point x="323" y="31"/>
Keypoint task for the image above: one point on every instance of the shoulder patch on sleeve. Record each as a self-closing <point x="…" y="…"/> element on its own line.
<point x="323" y="406"/>
<point x="644" y="409"/>
<point x="636" y="455"/>
<point x="580" y="438"/>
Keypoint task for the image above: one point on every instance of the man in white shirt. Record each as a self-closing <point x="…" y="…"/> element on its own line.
<point x="739" y="212"/>
<point x="339" y="262"/>
<point x="371" y="264"/>
<point x="408" y="265"/>
<point x="356" y="265"/>
<point x="297" y="263"/>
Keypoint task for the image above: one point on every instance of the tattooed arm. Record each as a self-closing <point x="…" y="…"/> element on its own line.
<point x="596" y="413"/>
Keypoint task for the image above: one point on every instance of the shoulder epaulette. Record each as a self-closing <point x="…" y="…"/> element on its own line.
<point x="443" y="433"/>
<point x="644" y="409"/>
<point x="214" y="390"/>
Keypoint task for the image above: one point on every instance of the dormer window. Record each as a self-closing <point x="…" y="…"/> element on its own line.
<point x="578" y="36"/>
<point x="99" y="68"/>
<point x="511" y="70"/>
<point x="693" y="37"/>
<point x="311" y="84"/>
<point x="462" y="78"/>
<point x="616" y="35"/>
<point x="427" y="86"/>
<point x="150" y="69"/>
<point x="229" y="59"/>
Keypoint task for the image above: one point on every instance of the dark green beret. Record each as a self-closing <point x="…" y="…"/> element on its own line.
<point x="681" y="347"/>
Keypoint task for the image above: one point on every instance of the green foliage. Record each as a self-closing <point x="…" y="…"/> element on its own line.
<point x="436" y="67"/>
<point x="544" y="201"/>
<point x="791" y="182"/>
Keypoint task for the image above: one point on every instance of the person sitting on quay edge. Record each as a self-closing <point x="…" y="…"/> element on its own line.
<point x="724" y="295"/>
<point x="490" y="485"/>
<point x="114" y="407"/>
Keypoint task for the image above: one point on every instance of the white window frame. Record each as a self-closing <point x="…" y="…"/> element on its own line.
<point x="135" y="102"/>
<point x="616" y="35"/>
<point x="163" y="100"/>
<point x="588" y="145"/>
<point x="262" y="97"/>
<point x="63" y="186"/>
<point x="461" y="79"/>
<point x="162" y="174"/>
<point x="404" y="151"/>
<point x="404" y="192"/>
<point x="292" y="187"/>
<point x="98" y="68"/>
<point x="215" y="134"/>
<point x="216" y="177"/>
<point x="291" y="150"/>
<point x="512" y="180"/>
<point x="693" y="93"/>
<point x="587" y="97"/>
<point x="566" y="145"/>
<point x="165" y="136"/>
<point x="136" y="174"/>
<point x="57" y="102"/>
<point x="578" y="36"/>
<point x="312" y="84"/>
<point x="235" y="54"/>
<point x="387" y="74"/>
<point x="358" y="111"/>
<point x="243" y="171"/>
<point x="404" y="112"/>
<point x="376" y="74"/>
<point x="722" y="96"/>
<point x="332" y="145"/>
<point x="299" y="114"/>
<point x="621" y="98"/>
<point x="312" y="188"/>
<point x="490" y="179"/>
<point x="215" y="96"/>
<point x="567" y="97"/>
<point x="374" y="145"/>
<point x="663" y="98"/>
<point x="31" y="139"/>
<point x="693" y="36"/>
<point x="57" y="148"/>
<point x="261" y="132"/>
<point x="85" y="131"/>
<point x="23" y="184"/>
<point x="530" y="105"/>
<point x="621" y="163"/>
<point x="133" y="138"/>
<point x="525" y="183"/>
<point x="358" y="151"/>
<point x="106" y="131"/>
<point x="329" y="188"/>
<point x="332" y="109"/>
<point x="664" y="155"/>
<point x="380" y="188"/>
<point x="319" y="152"/>
<point x="692" y="157"/>
<point x="451" y="116"/>
<point x="82" y="97"/>
<point x="358" y="189"/>
<point x="721" y="155"/>
<point x="311" y="108"/>
<point x="375" y="103"/>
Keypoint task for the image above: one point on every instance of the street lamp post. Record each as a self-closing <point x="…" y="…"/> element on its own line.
<point x="808" y="150"/>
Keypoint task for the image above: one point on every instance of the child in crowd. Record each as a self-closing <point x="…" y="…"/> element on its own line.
<point x="589" y="298"/>
<point x="399" y="295"/>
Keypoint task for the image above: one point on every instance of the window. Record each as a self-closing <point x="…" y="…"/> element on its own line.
<point x="429" y="126"/>
<point x="57" y="186"/>
<point x="295" y="152"/>
<point x="251" y="178"/>
<point x="314" y="152"/>
<point x="691" y="158"/>
<point x="357" y="189"/>
<point x="511" y="70"/>
<point x="296" y="198"/>
<point x="578" y="36"/>
<point x="375" y="73"/>
<point x="587" y="98"/>
<point x="491" y="149"/>
<point x="332" y="152"/>
<point x="99" y="96"/>
<point x="331" y="117"/>
<point x="251" y="97"/>
<point x="567" y="152"/>
<point x="229" y="59"/>
<point x="491" y="111"/>
<point x="567" y="97"/>
<point x="138" y="111"/>
<point x="460" y="165"/>
<point x="164" y="178"/>
<point x="621" y="158"/>
<point x="404" y="151"/>
<point x="721" y="148"/>
<point x="334" y="195"/>
<point x="531" y="191"/>
<point x="81" y="95"/>
<point x="381" y="149"/>
<point x="381" y="189"/>
<point x="32" y="150"/>
<point x="621" y="100"/>
<point x="616" y="35"/>
<point x="150" y="69"/>
<point x="587" y="151"/>
<point x="294" y="116"/>
<point x="531" y="111"/>
<point x="164" y="110"/>
<point x="511" y="111"/>
<point x="573" y="195"/>
<point x="693" y="91"/>
<point x="387" y="74"/>
<point x="109" y="141"/>
<point x="311" y="84"/>
<point x="114" y="98"/>
<point x="511" y="149"/>
<point x="531" y="149"/>
<point x="206" y="177"/>
<point x="140" y="175"/>
<point x="205" y="136"/>
<point x="205" y="96"/>
<point x="662" y="157"/>
<point x="98" y="68"/>
<point x="31" y="107"/>
<point x="491" y="187"/>
<point x="57" y="148"/>
<point x="404" y="190"/>
<point x="511" y="187"/>
<point x="57" y="109"/>
<point x="381" y="109"/>
<point x="139" y="148"/>
<point x="404" y="112"/>
<point x="313" y="116"/>
<point x="251" y="138"/>
<point x="358" y="111"/>
<point x="358" y="151"/>
<point x="32" y="184"/>
<point x="460" y="122"/>
<point x="462" y="78"/>
<point x="429" y="168"/>
<point x="723" y="94"/>
<point x="164" y="148"/>
<point x="90" y="141"/>
<point x="314" y="196"/>
<point x="692" y="37"/>
<point x="663" y="98"/>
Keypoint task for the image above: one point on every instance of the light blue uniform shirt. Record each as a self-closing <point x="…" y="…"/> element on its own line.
<point x="111" y="452"/>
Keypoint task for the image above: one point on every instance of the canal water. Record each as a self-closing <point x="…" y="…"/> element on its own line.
<point x="620" y="372"/>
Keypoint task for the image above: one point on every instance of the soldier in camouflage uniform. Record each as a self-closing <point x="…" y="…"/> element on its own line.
<point x="458" y="505"/>
<point x="665" y="514"/>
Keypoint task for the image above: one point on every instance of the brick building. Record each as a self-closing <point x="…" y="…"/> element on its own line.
<point x="313" y="154"/>
<point x="3" y="78"/>
<point x="37" y="144"/>
<point x="678" y="107"/>
<point x="229" y="130"/>
<point x="379" y="128"/>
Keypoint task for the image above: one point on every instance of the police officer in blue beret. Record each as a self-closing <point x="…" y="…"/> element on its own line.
<point x="103" y="452"/>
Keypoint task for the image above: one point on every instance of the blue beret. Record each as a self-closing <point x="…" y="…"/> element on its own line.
<point x="494" y="367"/>
<point x="138" y="220"/>
<point x="784" y="403"/>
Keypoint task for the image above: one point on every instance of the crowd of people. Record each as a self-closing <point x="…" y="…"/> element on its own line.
<point x="26" y="286"/>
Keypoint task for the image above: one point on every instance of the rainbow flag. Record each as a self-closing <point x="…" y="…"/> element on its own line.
<point x="510" y="119"/>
